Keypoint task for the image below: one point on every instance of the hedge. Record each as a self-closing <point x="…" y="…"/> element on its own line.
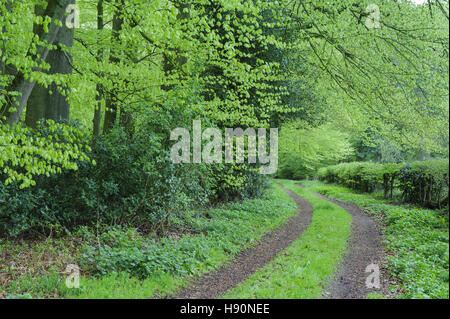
<point x="423" y="182"/>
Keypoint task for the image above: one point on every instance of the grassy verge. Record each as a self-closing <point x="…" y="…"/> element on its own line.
<point x="301" y="270"/>
<point x="417" y="238"/>
<point x="119" y="262"/>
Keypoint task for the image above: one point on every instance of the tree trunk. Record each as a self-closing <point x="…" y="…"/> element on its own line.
<point x="98" y="109"/>
<point x="385" y="185"/>
<point x="111" y="100"/>
<point x="53" y="105"/>
<point x="392" y="186"/>
<point x="56" y="10"/>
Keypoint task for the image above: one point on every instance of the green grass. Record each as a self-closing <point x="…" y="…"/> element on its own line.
<point x="375" y="295"/>
<point x="124" y="286"/>
<point x="302" y="270"/>
<point x="417" y="239"/>
<point x="121" y="263"/>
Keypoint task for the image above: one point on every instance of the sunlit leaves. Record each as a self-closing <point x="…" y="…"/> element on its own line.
<point x="26" y="154"/>
<point x="393" y="79"/>
<point x="303" y="149"/>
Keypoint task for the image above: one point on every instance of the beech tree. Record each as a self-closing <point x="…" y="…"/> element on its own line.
<point x="51" y="102"/>
<point x="29" y="69"/>
<point x="244" y="63"/>
<point x="381" y="64"/>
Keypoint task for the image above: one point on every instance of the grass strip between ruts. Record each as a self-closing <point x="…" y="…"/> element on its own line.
<point x="304" y="268"/>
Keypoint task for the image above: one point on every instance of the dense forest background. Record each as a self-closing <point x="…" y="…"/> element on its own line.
<point x="89" y="93"/>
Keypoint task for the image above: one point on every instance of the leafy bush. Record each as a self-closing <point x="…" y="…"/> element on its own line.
<point x="362" y="176"/>
<point x="238" y="181"/>
<point x="425" y="183"/>
<point x="134" y="181"/>
<point x="390" y="172"/>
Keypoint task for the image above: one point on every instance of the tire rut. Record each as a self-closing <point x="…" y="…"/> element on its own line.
<point x="218" y="282"/>
<point x="365" y="248"/>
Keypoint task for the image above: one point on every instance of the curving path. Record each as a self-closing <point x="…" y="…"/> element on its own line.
<point x="218" y="282"/>
<point x="365" y="247"/>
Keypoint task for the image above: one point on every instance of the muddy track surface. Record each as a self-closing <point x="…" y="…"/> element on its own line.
<point x="218" y="282"/>
<point x="364" y="248"/>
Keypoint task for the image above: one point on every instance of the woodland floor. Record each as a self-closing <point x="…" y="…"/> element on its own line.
<point x="216" y="283"/>
<point x="349" y="282"/>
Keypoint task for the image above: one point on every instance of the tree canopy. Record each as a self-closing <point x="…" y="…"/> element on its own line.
<point x="374" y="69"/>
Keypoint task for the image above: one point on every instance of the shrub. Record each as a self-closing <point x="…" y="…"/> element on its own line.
<point x="390" y="173"/>
<point x="362" y="176"/>
<point x="425" y="183"/>
<point x="134" y="182"/>
<point x="241" y="181"/>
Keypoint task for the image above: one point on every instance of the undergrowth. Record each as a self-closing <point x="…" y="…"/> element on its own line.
<point x="120" y="262"/>
<point x="417" y="239"/>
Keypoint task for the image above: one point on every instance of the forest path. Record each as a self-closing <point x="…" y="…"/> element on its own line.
<point x="216" y="283"/>
<point x="365" y="248"/>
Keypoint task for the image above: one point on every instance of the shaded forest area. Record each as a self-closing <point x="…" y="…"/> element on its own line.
<point x="87" y="111"/>
<point x="90" y="91"/>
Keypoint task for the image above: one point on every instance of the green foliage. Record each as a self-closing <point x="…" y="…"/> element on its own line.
<point x="124" y="251"/>
<point x="304" y="150"/>
<point x="241" y="75"/>
<point x="374" y="295"/>
<point x="26" y="153"/>
<point x="29" y="286"/>
<point x="150" y="66"/>
<point x="422" y="182"/>
<point x="425" y="183"/>
<point x="228" y="229"/>
<point x="124" y="286"/>
<point x="135" y="70"/>
<point x="377" y="69"/>
<point x="133" y="182"/>
<point x="238" y="181"/>
<point x="362" y="176"/>
<point x="235" y="63"/>
<point x="418" y="240"/>
<point x="390" y="173"/>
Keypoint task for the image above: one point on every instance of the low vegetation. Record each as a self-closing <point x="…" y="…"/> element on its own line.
<point x="417" y="239"/>
<point x="420" y="182"/>
<point x="124" y="262"/>
<point x="303" y="269"/>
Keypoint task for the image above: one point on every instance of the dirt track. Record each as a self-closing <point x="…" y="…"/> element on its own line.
<point x="364" y="248"/>
<point x="217" y="283"/>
